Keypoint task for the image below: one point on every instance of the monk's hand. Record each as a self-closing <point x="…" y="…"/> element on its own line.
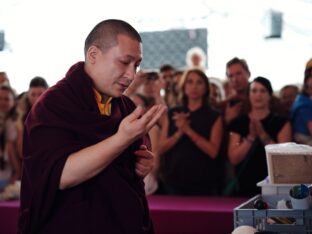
<point x="144" y="161"/>
<point x="138" y="123"/>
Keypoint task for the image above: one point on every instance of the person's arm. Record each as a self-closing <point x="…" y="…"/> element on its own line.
<point x="11" y="149"/>
<point x="239" y="147"/>
<point x="156" y="93"/>
<point x="154" y="134"/>
<point x="209" y="146"/>
<point x="138" y="80"/>
<point x="232" y="112"/>
<point x="166" y="142"/>
<point x="19" y="142"/>
<point x="14" y="160"/>
<point x="285" y="134"/>
<point x="88" y="162"/>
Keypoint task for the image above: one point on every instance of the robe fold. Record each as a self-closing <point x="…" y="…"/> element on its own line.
<point x="64" y="120"/>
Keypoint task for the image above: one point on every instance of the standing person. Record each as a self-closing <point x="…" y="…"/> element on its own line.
<point x="4" y="79"/>
<point x="191" y="136"/>
<point x="301" y="111"/>
<point x="238" y="74"/>
<point x="9" y="161"/>
<point x="151" y="89"/>
<point x="37" y="87"/>
<point x="85" y="145"/>
<point x="287" y="96"/>
<point x="249" y="133"/>
<point x="235" y="104"/>
<point x="166" y="73"/>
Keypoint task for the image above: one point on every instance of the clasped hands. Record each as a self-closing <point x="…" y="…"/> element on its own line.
<point x="256" y="130"/>
<point x="182" y="122"/>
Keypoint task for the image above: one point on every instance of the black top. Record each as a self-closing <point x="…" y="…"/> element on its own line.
<point x="185" y="169"/>
<point x="254" y="166"/>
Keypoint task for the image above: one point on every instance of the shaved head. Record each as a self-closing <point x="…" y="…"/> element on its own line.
<point x="104" y="34"/>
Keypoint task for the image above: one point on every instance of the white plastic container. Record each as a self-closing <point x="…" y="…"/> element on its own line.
<point x="268" y="188"/>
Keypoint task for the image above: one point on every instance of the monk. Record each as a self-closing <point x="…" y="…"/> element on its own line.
<point x="86" y="148"/>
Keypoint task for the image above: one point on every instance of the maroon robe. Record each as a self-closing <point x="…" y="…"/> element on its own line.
<point x="66" y="119"/>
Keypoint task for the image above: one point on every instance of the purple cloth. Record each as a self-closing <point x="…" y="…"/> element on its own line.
<point x="189" y="214"/>
<point x="64" y="120"/>
<point x="170" y="214"/>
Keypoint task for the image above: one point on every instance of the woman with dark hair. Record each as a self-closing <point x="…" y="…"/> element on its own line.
<point x="301" y="111"/>
<point x="190" y="140"/>
<point x="249" y="134"/>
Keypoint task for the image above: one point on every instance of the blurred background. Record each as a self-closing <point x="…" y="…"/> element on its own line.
<point x="43" y="38"/>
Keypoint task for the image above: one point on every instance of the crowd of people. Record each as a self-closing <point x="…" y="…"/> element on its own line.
<point x="88" y="149"/>
<point x="210" y="141"/>
<point x="13" y="111"/>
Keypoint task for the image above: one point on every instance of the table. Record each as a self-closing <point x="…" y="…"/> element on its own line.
<point x="170" y="214"/>
<point x="193" y="215"/>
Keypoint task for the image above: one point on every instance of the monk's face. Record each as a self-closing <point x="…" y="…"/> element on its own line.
<point x="113" y="70"/>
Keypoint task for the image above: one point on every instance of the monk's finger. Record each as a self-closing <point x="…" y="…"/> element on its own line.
<point x="157" y="116"/>
<point x="143" y="154"/>
<point x="137" y="113"/>
<point x="143" y="147"/>
<point x="142" y="169"/>
<point x="149" y="114"/>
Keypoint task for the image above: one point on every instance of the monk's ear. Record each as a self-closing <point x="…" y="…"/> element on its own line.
<point x="92" y="54"/>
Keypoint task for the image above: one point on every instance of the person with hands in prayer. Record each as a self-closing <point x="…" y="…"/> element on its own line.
<point x="86" y="148"/>
<point x="250" y="133"/>
<point x="190" y="140"/>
